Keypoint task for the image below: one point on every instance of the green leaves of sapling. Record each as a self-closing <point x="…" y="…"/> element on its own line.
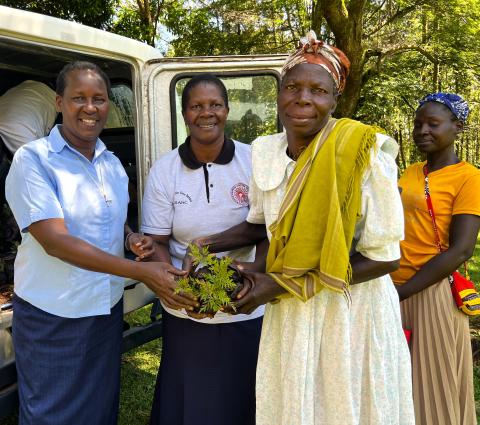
<point x="211" y="283"/>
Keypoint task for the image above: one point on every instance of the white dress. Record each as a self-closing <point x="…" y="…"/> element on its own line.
<point x="321" y="362"/>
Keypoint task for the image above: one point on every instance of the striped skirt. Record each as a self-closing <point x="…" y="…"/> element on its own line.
<point x="441" y="352"/>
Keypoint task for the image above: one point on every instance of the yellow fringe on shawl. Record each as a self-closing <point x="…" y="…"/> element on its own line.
<point x="311" y="238"/>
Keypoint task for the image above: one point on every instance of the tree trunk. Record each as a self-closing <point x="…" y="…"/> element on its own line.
<point x="348" y="101"/>
<point x="347" y="26"/>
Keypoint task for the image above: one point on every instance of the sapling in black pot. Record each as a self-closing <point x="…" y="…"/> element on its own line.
<point x="214" y="282"/>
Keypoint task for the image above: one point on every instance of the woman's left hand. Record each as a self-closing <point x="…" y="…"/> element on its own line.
<point x="258" y="289"/>
<point x="142" y="246"/>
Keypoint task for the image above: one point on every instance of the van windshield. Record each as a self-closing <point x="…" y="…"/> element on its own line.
<point x="253" y="106"/>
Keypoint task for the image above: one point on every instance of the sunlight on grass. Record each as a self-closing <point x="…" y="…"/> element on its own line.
<point x="474" y="265"/>
<point x="474" y="270"/>
<point x="139" y="372"/>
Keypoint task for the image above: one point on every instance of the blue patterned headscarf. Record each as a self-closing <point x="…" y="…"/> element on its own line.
<point x="454" y="102"/>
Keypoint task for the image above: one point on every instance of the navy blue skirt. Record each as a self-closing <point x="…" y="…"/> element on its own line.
<point x="68" y="369"/>
<point x="207" y="373"/>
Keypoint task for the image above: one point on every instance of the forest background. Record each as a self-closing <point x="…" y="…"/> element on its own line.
<point x="399" y="49"/>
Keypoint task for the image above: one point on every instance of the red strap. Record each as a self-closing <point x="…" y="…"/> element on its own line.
<point x="428" y="198"/>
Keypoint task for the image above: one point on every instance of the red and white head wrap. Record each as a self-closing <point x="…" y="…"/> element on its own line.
<point x="311" y="50"/>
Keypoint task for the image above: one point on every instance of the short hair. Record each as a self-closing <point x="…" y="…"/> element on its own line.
<point x="205" y="79"/>
<point x="80" y="66"/>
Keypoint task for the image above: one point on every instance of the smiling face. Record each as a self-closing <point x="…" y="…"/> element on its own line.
<point x="205" y="114"/>
<point x="305" y="102"/>
<point x="435" y="128"/>
<point x="84" y="107"/>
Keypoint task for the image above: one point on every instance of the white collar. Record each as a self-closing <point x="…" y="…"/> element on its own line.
<point x="270" y="160"/>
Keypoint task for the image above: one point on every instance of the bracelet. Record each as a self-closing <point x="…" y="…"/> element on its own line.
<point x="127" y="245"/>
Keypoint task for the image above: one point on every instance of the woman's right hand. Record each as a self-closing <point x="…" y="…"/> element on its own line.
<point x="160" y="278"/>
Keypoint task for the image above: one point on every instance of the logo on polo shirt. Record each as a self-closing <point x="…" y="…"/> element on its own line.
<point x="182" y="198"/>
<point x="239" y="194"/>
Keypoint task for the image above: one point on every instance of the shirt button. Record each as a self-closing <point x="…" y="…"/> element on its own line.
<point x="211" y="185"/>
<point x="209" y="165"/>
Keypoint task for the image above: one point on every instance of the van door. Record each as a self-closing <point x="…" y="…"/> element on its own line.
<point x="252" y="84"/>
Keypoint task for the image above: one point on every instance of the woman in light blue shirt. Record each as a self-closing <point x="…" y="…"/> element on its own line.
<point x="69" y="197"/>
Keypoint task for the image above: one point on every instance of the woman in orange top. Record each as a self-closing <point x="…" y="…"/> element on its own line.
<point x="440" y="346"/>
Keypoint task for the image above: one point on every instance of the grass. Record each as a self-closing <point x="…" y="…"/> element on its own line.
<point x="474" y="270"/>
<point x="139" y="372"/>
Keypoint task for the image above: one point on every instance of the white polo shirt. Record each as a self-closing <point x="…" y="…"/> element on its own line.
<point x="188" y="199"/>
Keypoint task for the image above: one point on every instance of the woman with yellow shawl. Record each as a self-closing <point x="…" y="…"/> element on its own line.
<point x="332" y="349"/>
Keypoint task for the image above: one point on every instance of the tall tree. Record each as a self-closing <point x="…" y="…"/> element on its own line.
<point x="140" y="19"/>
<point x="357" y="27"/>
<point x="437" y="48"/>
<point x="219" y="27"/>
<point x="434" y="34"/>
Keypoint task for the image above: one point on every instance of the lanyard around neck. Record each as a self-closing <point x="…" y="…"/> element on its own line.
<point x="101" y="188"/>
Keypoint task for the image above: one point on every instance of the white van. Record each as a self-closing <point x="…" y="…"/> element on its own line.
<point x="146" y="94"/>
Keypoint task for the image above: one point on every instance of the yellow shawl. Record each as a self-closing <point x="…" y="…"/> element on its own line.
<point x="311" y="238"/>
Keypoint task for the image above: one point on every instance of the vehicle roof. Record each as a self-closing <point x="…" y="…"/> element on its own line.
<point x="31" y="26"/>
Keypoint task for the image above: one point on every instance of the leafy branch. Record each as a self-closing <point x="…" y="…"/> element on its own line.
<point x="213" y="283"/>
<point x="400" y="13"/>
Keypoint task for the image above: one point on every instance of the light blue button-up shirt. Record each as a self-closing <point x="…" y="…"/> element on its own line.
<point x="48" y="179"/>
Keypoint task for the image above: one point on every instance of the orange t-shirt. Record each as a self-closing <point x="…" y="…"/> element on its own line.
<point x="454" y="190"/>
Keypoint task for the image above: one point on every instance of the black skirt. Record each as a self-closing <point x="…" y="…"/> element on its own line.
<point x="68" y="369"/>
<point x="207" y="373"/>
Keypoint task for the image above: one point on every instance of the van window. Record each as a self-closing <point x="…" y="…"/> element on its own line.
<point x="121" y="107"/>
<point x="253" y="107"/>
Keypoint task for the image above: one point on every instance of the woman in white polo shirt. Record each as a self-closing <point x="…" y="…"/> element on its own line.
<point x="207" y="373"/>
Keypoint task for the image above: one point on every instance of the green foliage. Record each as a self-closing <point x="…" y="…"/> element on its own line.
<point x="127" y="23"/>
<point x="139" y="372"/>
<point x="140" y="19"/>
<point x="226" y="27"/>
<point x="212" y="283"/>
<point x="399" y="49"/>
<point x="435" y="47"/>
<point x="95" y="13"/>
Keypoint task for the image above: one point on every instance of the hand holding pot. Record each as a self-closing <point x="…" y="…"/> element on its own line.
<point x="160" y="278"/>
<point x="258" y="289"/>
<point x="199" y="316"/>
